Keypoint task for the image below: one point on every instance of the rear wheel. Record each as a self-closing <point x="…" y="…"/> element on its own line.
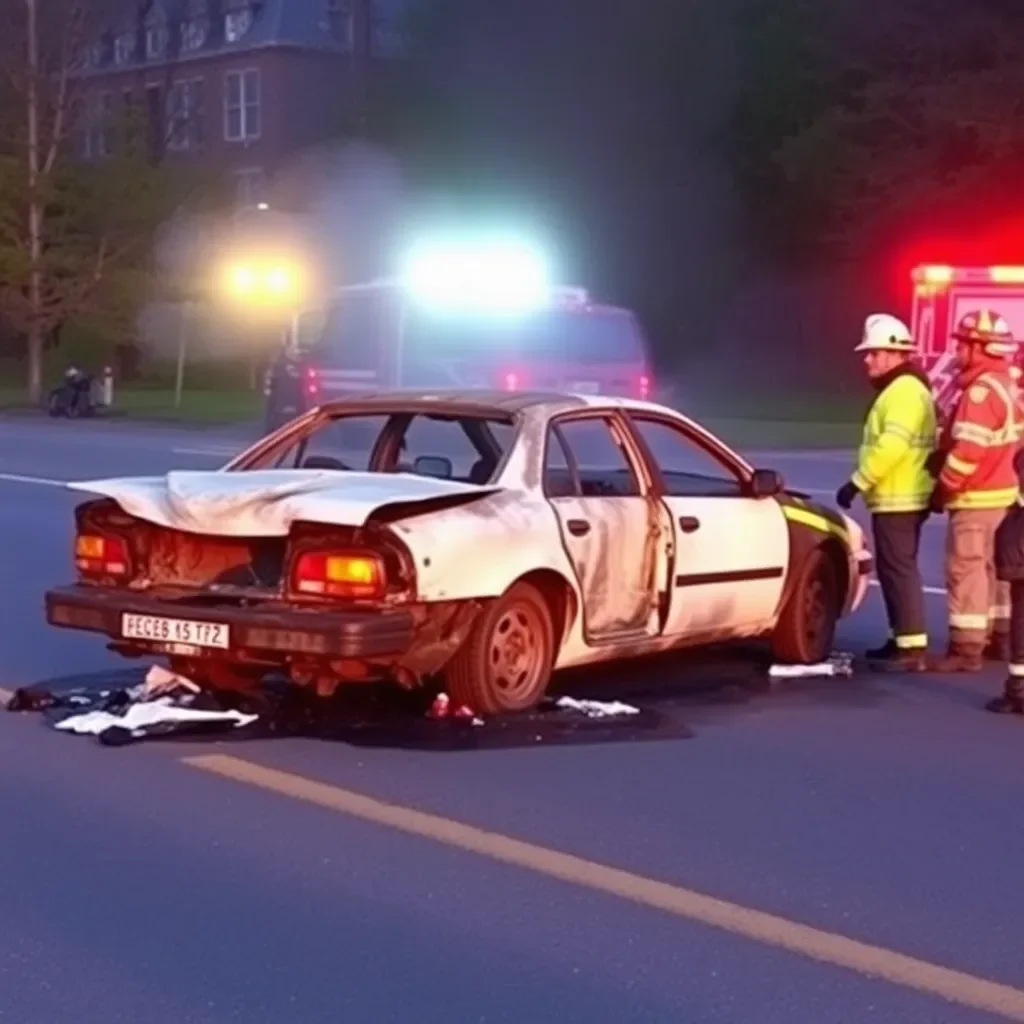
<point x="505" y="663"/>
<point x="807" y="626"/>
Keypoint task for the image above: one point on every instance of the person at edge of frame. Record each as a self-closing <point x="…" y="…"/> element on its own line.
<point x="891" y="475"/>
<point x="977" y="484"/>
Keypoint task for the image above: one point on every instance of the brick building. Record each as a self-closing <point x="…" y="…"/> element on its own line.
<point x="242" y="85"/>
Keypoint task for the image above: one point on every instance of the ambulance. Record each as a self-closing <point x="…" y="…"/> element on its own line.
<point x="942" y="295"/>
<point x="490" y="319"/>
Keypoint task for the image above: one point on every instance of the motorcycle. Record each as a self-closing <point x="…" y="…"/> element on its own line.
<point x="74" y="397"/>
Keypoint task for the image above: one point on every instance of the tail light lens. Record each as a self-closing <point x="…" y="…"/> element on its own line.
<point x="349" y="574"/>
<point x="312" y="383"/>
<point x="644" y="386"/>
<point x="102" y="555"/>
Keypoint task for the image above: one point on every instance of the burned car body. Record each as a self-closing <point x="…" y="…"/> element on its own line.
<point x="532" y="532"/>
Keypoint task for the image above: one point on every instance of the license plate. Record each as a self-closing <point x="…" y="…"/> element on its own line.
<point x="585" y="387"/>
<point x="158" y="629"/>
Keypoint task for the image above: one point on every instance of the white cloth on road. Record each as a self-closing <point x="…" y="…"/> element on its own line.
<point x="140" y="718"/>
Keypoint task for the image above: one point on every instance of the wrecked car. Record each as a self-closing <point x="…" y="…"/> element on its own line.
<point x="483" y="538"/>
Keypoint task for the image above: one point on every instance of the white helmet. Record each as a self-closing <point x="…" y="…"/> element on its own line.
<point x="883" y="332"/>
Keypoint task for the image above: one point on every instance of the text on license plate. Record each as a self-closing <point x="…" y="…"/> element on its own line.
<point x="158" y="629"/>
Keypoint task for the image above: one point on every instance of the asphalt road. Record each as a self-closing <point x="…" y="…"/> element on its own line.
<point x="304" y="880"/>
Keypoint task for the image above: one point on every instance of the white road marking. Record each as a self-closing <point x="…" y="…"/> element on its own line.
<point x="213" y="453"/>
<point x="928" y="590"/>
<point x="17" y="478"/>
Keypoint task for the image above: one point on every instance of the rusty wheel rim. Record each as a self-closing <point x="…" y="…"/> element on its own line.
<point x="816" y="608"/>
<point x="516" y="654"/>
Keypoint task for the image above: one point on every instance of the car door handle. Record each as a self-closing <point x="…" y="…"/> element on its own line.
<point x="688" y="524"/>
<point x="578" y="527"/>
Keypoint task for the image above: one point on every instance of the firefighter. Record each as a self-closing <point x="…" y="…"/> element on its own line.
<point x="1010" y="570"/>
<point x="891" y="475"/>
<point x="977" y="484"/>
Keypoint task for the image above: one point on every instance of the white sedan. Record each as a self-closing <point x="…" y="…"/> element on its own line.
<point x="486" y="538"/>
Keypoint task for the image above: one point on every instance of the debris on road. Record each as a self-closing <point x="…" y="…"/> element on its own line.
<point x="596" y="708"/>
<point x="164" y="703"/>
<point x="837" y="665"/>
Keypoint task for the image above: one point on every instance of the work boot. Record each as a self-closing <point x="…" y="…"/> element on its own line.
<point x="891" y="658"/>
<point x="959" y="658"/>
<point x="1012" y="700"/>
<point x="998" y="648"/>
<point x="887" y="650"/>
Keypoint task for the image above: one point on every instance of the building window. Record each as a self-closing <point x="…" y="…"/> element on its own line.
<point x="340" y="15"/>
<point x="251" y="187"/>
<point x="242" y="106"/>
<point x="193" y="35"/>
<point x="156" y="41"/>
<point x="124" y="48"/>
<point x="236" y="24"/>
<point x="98" y="128"/>
<point x="186" y="115"/>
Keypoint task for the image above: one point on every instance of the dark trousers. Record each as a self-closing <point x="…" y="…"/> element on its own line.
<point x="897" y="541"/>
<point x="1017" y="627"/>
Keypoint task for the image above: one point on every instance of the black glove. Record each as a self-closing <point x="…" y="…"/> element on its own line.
<point x="934" y="463"/>
<point x="847" y="494"/>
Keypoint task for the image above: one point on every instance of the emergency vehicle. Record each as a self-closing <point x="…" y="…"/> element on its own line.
<point x="379" y="336"/>
<point x="942" y="295"/>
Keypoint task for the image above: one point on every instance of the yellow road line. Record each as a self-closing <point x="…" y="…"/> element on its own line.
<point x="874" y="961"/>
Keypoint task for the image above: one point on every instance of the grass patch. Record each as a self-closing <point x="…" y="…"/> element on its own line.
<point x="755" y="434"/>
<point x="155" y="403"/>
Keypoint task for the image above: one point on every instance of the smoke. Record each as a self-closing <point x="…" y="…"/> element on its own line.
<point x="337" y="212"/>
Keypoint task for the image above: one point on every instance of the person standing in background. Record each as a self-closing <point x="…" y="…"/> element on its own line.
<point x="977" y="483"/>
<point x="891" y="476"/>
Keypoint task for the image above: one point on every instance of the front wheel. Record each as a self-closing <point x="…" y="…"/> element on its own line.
<point x="806" y="628"/>
<point x="505" y="663"/>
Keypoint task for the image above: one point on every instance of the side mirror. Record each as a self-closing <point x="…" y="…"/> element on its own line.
<point x="766" y="483"/>
<point x="433" y="465"/>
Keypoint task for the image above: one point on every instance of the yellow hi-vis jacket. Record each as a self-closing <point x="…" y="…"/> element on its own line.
<point x="899" y="434"/>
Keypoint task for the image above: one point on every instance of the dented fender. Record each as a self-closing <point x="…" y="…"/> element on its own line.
<point x="478" y="550"/>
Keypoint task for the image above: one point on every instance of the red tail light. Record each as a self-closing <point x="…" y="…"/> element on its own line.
<point x="351" y="574"/>
<point x="512" y="380"/>
<point x="312" y="382"/>
<point x="644" y="386"/>
<point x="102" y="555"/>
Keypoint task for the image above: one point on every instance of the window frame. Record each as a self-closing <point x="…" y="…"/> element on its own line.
<point x="632" y="452"/>
<point x="243" y="104"/>
<point x="701" y="439"/>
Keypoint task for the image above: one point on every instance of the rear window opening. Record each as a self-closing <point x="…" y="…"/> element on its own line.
<point x="466" y="449"/>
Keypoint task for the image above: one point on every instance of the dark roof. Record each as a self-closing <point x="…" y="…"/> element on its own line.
<point x="285" y="23"/>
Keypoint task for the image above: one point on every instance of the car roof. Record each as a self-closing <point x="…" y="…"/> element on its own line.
<point x="481" y="401"/>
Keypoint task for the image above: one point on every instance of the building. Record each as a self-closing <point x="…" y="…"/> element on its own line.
<point x="241" y="85"/>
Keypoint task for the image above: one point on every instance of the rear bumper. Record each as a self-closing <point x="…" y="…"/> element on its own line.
<point x="273" y="632"/>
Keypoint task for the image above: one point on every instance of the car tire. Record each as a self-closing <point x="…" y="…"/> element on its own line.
<point x="505" y="663"/>
<point x="806" y="628"/>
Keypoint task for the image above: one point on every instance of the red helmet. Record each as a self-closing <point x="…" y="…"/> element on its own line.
<point x="988" y="329"/>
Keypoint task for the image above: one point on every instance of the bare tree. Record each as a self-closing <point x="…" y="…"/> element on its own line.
<point x="73" y="233"/>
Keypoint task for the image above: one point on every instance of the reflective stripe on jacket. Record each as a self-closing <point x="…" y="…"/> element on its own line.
<point x="978" y="471"/>
<point x="899" y="435"/>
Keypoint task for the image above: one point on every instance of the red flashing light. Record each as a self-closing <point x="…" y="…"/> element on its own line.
<point x="346" y="574"/>
<point x="644" y="387"/>
<point x="101" y="555"/>
<point x="511" y="380"/>
<point x="312" y="382"/>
